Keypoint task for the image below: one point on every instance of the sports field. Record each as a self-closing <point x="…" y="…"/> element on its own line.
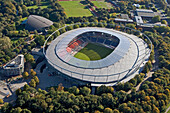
<point x="102" y="4"/>
<point x="93" y="52"/>
<point x="75" y="9"/>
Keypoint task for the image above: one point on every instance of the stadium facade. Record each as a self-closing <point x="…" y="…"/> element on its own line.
<point x="129" y="55"/>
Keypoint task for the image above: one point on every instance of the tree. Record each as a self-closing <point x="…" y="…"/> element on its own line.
<point x="26" y="111"/>
<point x="62" y="30"/>
<point x="155" y="109"/>
<point x="156" y="19"/>
<point x="36" y="79"/>
<point x="33" y="73"/>
<point x="5" y="43"/>
<point x="18" y="91"/>
<point x="100" y="107"/>
<point x="131" y="26"/>
<point x="164" y="22"/>
<point x="16" y="110"/>
<point x="44" y="105"/>
<point x="85" y="90"/>
<point x="76" y="26"/>
<point x="40" y="39"/>
<point x="25" y="75"/>
<point x="69" y="27"/>
<point x="146" y="69"/>
<point x="29" y="58"/>
<point x="1" y="101"/>
<point x="104" y="89"/>
<point x="144" y="87"/>
<point x="115" y="111"/>
<point x="60" y="87"/>
<point x="74" y="90"/>
<point x="108" y="110"/>
<point x="32" y="83"/>
<point x="26" y="87"/>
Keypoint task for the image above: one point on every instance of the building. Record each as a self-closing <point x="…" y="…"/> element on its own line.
<point x="37" y="51"/>
<point x="149" y="25"/>
<point x="38" y="23"/>
<point x="140" y="23"/>
<point x="145" y="13"/>
<point x="122" y="64"/>
<point x="136" y="5"/>
<point x="113" y="3"/>
<point x="124" y="18"/>
<point x="14" y="67"/>
<point x="138" y="19"/>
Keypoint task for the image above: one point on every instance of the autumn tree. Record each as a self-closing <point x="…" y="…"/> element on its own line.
<point x="33" y="73"/>
<point x="32" y="83"/>
<point x="25" y="75"/>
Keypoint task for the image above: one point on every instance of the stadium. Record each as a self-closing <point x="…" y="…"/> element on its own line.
<point x="99" y="56"/>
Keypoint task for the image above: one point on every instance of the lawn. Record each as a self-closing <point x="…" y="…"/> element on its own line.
<point x="23" y="19"/>
<point x="75" y="9"/>
<point x="102" y="4"/>
<point x="43" y="5"/>
<point x="93" y="52"/>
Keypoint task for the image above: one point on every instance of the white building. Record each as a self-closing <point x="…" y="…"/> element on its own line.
<point x="14" y="67"/>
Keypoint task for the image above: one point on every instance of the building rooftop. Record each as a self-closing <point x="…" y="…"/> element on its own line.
<point x="138" y="19"/>
<point x="123" y="20"/>
<point x="35" y="22"/>
<point x="121" y="63"/>
<point x="124" y="16"/>
<point x="16" y="62"/>
<point x="115" y="56"/>
<point x="145" y="13"/>
<point x="149" y="25"/>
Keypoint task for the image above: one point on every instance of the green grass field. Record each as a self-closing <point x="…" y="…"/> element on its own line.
<point x="93" y="52"/>
<point x="75" y="9"/>
<point x="102" y="4"/>
<point x="43" y="5"/>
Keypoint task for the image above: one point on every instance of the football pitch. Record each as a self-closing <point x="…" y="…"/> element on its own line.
<point x="75" y="9"/>
<point x="93" y="52"/>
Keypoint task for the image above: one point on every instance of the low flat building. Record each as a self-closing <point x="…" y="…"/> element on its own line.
<point x="124" y="18"/>
<point x="145" y="13"/>
<point x="14" y="67"/>
<point x="149" y="25"/>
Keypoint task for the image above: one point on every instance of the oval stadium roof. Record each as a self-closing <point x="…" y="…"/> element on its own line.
<point x="114" y="57"/>
<point x="122" y="63"/>
<point x="35" y="22"/>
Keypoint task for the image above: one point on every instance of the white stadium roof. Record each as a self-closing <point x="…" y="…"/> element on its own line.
<point x="114" y="57"/>
<point x="118" y="66"/>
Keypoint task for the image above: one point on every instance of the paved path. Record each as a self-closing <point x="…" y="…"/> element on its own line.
<point x="149" y="74"/>
<point x="167" y="109"/>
